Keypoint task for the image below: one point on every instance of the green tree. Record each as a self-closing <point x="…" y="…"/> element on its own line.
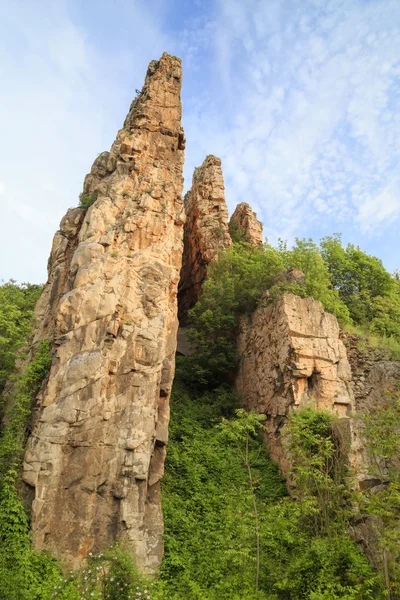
<point x="306" y="256"/>
<point x="382" y="435"/>
<point x="235" y="283"/>
<point x="371" y="294"/>
<point x="17" y="303"/>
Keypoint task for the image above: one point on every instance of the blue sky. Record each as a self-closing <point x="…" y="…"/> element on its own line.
<point x="299" y="98"/>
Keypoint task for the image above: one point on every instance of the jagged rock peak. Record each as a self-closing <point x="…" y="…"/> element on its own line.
<point x="161" y="90"/>
<point x="95" y="458"/>
<point x="245" y="221"/>
<point x="206" y="230"/>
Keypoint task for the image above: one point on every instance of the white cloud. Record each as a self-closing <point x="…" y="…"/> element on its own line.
<point x="380" y="209"/>
<point x="299" y="98"/>
<point x="67" y="91"/>
<point x="321" y="116"/>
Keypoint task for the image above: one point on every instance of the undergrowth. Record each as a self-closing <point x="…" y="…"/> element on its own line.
<point x="217" y="516"/>
<point x="388" y="346"/>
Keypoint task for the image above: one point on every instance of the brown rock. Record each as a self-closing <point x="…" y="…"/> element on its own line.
<point x="206" y="230"/>
<point x="245" y="221"/>
<point x="373" y="373"/>
<point x="95" y="457"/>
<point x="291" y="357"/>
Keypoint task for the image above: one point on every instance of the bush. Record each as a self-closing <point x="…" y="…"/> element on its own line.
<point x="17" y="302"/>
<point x="371" y="294"/>
<point x="86" y="200"/>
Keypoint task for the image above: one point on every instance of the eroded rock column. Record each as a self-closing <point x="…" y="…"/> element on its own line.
<point x="96" y="454"/>
<point x="206" y="230"/>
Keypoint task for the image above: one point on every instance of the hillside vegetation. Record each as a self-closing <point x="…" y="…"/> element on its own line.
<point x="231" y="530"/>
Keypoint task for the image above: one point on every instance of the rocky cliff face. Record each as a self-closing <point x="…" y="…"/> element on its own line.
<point x="374" y="375"/>
<point x="291" y="356"/>
<point x="206" y="230"/>
<point x="96" y="454"/>
<point x="245" y="222"/>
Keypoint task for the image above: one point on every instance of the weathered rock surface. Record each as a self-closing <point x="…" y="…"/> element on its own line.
<point x="291" y="357"/>
<point x="245" y="221"/>
<point x="205" y="232"/>
<point x="96" y="454"/>
<point x="374" y="375"/>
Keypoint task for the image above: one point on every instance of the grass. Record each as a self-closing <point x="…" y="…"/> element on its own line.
<point x="388" y="345"/>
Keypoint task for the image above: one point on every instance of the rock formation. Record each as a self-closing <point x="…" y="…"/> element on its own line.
<point x="374" y="375"/>
<point x="245" y="222"/>
<point x="96" y="454"/>
<point x="206" y="230"/>
<point x="291" y="357"/>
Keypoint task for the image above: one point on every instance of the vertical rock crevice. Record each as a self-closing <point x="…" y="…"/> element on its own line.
<point x="96" y="453"/>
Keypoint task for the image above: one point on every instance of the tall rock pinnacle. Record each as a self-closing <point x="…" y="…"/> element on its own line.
<point x="96" y="454"/>
<point x="206" y="230"/>
<point x="244" y="219"/>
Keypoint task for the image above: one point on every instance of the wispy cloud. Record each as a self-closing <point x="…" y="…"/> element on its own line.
<point x="312" y="131"/>
<point x="300" y="99"/>
<point x="66" y="91"/>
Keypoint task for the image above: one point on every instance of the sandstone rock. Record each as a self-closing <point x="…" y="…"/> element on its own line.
<point x="291" y="357"/>
<point x="245" y="221"/>
<point x="206" y="230"/>
<point x="374" y="375"/>
<point x="95" y="457"/>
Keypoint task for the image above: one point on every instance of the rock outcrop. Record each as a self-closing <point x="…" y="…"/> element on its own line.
<point x="291" y="356"/>
<point x="96" y="454"/>
<point x="205" y="232"/>
<point x="244" y="221"/>
<point x="374" y="374"/>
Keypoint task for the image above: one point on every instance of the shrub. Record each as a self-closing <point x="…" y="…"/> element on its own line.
<point x="86" y="200"/>
<point x="17" y="302"/>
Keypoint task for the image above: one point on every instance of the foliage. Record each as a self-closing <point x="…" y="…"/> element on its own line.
<point x="371" y="294"/>
<point x="86" y="200"/>
<point x="318" y="469"/>
<point x="24" y="574"/>
<point x="235" y="283"/>
<point x="306" y="256"/>
<point x="388" y="347"/>
<point x="382" y="434"/>
<point x="237" y="234"/>
<point x="212" y="524"/>
<point x="350" y="284"/>
<point x="17" y="302"/>
<point x="19" y="412"/>
<point x="208" y="501"/>
<point x="108" y="575"/>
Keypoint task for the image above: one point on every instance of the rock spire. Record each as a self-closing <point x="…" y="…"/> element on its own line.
<point x="96" y="454"/>
<point x="244" y="221"/>
<point x="206" y="230"/>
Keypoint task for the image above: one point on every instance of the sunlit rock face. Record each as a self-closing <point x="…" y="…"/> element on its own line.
<point x="206" y="230"/>
<point x="292" y="357"/>
<point x="96" y="454"/>
<point x="244" y="221"/>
